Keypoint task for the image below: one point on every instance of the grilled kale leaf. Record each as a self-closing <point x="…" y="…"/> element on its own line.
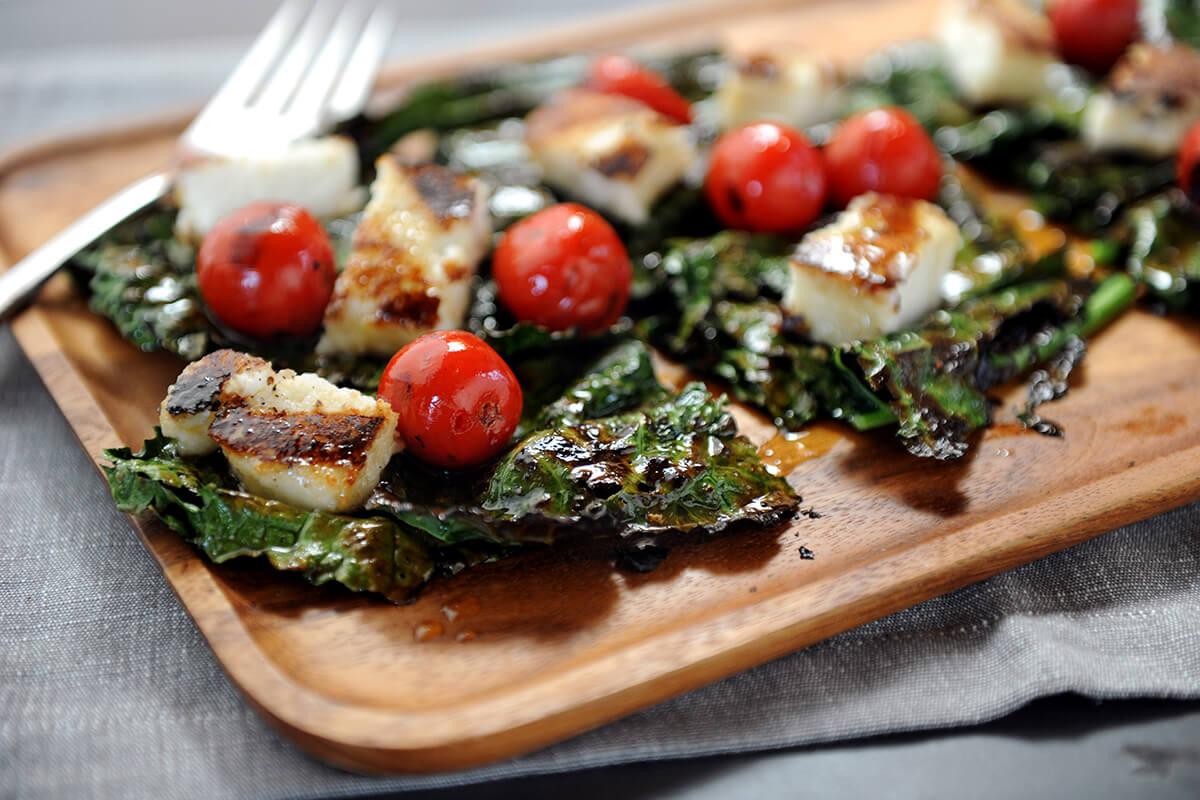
<point x="993" y="254"/>
<point x="910" y="76"/>
<point x="1163" y="237"/>
<point x="716" y="308"/>
<point x="1070" y="184"/>
<point x="614" y="452"/>
<point x="593" y="457"/>
<point x="936" y="375"/>
<point x="372" y="554"/>
<point x="144" y="280"/>
<point x="675" y="463"/>
<point x="1180" y="20"/>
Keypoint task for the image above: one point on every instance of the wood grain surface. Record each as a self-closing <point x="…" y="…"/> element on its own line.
<point x="516" y="655"/>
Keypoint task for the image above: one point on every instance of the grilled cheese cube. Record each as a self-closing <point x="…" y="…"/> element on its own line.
<point x="319" y="174"/>
<point x="294" y="438"/>
<point x="794" y="90"/>
<point x="414" y="256"/>
<point x="1151" y="98"/>
<point x="612" y="153"/>
<point x="876" y="269"/>
<point x="997" y="51"/>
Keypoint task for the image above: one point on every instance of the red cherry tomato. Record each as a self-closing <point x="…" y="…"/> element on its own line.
<point x="458" y="403"/>
<point x="1188" y="165"/>
<point x="884" y="150"/>
<point x="1094" y="33"/>
<point x="623" y="75"/>
<point x="765" y="177"/>
<point x="267" y="270"/>
<point x="563" y="267"/>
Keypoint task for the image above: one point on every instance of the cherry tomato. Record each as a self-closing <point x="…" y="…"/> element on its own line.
<point x="622" y="75"/>
<point x="1094" y="33"/>
<point x="765" y="177"/>
<point x="563" y="267"/>
<point x="883" y="150"/>
<point x="1188" y="165"/>
<point x="267" y="270"/>
<point x="458" y="403"/>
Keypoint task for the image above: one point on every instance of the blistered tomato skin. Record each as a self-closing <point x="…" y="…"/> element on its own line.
<point x="1188" y="164"/>
<point x="622" y="75"/>
<point x="563" y="267"/>
<point x="267" y="270"/>
<point x="883" y="150"/>
<point x="1094" y="33"/>
<point x="456" y="400"/>
<point x="766" y="177"/>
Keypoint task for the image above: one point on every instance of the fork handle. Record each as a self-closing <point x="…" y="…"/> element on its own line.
<point x="19" y="283"/>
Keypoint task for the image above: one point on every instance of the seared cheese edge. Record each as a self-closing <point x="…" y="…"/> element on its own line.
<point x="415" y="253"/>
<point x="795" y="90"/>
<point x="294" y="438"/>
<point x="1150" y="99"/>
<point x="609" y="152"/>
<point x="874" y="270"/>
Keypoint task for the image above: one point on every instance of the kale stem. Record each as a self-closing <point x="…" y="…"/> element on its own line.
<point x="874" y="419"/>
<point x="1111" y="298"/>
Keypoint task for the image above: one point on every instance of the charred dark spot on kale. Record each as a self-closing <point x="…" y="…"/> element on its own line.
<point x="641" y="557"/>
<point x="675" y="464"/>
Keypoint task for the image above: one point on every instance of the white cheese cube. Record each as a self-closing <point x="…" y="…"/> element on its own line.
<point x="609" y="152"/>
<point x="1151" y="98"/>
<point x="876" y="269"/>
<point x="319" y="174"/>
<point x="414" y="256"/>
<point x="996" y="51"/>
<point x="796" y="90"/>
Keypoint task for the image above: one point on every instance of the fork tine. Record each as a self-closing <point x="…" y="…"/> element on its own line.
<point x="314" y="89"/>
<point x="359" y="76"/>
<point x="256" y="64"/>
<point x="288" y="73"/>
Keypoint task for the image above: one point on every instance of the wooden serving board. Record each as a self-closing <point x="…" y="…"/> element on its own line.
<point x="516" y="655"/>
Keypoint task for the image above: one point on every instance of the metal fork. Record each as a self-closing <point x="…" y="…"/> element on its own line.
<point x="311" y="67"/>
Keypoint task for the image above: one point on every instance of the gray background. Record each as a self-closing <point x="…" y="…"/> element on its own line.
<point x="106" y="689"/>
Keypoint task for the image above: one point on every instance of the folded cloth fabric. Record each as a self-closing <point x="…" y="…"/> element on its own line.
<point x="108" y="690"/>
